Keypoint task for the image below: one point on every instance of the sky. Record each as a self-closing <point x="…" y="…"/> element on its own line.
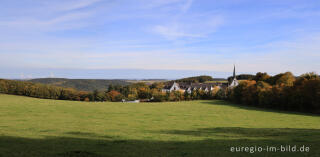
<point x="167" y="39"/>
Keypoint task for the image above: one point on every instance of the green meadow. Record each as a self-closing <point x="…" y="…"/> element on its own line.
<point x="31" y="127"/>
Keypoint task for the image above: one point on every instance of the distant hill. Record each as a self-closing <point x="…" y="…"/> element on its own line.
<point x="218" y="80"/>
<point x="81" y="84"/>
<point x="147" y="81"/>
<point x="196" y="79"/>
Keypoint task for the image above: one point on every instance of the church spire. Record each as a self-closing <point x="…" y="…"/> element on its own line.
<point x="234" y="81"/>
<point x="234" y="71"/>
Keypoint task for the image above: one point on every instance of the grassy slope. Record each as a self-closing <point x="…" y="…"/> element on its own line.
<point x="38" y="127"/>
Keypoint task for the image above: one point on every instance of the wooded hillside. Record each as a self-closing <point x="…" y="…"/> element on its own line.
<point x="81" y="84"/>
<point x="196" y="79"/>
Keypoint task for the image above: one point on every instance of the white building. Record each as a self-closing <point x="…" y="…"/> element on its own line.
<point x="206" y="87"/>
<point x="174" y="87"/>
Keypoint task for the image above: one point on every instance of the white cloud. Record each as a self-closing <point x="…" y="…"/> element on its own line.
<point x="185" y="7"/>
<point x="151" y="4"/>
<point x="198" y="27"/>
<point x="68" y="5"/>
<point x="51" y="15"/>
<point x="173" y="32"/>
<point x="184" y="25"/>
<point x="59" y="22"/>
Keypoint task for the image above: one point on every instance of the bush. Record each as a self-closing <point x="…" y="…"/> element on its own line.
<point x="114" y="96"/>
<point x="159" y="97"/>
<point x="221" y="94"/>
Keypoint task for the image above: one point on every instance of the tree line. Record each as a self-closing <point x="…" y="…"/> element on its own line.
<point x="134" y="91"/>
<point x="283" y="91"/>
<point x="241" y="77"/>
<point x="196" y="79"/>
<point x="38" y="90"/>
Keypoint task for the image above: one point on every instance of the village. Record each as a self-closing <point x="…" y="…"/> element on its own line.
<point x="206" y="87"/>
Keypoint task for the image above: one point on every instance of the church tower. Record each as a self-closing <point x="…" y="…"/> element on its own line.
<point x="234" y="79"/>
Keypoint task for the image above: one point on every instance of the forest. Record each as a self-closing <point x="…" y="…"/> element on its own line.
<point x="283" y="91"/>
<point x="196" y="79"/>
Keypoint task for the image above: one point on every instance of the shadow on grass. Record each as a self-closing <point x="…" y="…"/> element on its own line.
<point x="88" y="147"/>
<point x="278" y="134"/>
<point x="247" y="107"/>
<point x="88" y="135"/>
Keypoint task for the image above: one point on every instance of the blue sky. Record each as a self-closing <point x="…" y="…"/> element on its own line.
<point x="162" y="38"/>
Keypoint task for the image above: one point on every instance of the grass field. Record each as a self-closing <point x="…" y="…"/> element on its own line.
<point x="33" y="127"/>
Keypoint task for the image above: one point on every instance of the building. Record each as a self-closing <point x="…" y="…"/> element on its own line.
<point x="171" y="87"/>
<point x="182" y="87"/>
<point x="234" y="82"/>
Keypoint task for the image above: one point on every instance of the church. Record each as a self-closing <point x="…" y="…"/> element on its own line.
<point x="234" y="82"/>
